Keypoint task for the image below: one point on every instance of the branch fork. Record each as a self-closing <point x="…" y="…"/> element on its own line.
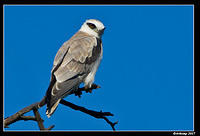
<point x="34" y="107"/>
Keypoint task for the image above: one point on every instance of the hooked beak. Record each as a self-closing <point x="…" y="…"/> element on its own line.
<point x="102" y="31"/>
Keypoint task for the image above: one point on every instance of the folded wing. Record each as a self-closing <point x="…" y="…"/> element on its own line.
<point x="72" y="63"/>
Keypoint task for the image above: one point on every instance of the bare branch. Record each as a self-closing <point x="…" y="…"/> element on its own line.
<point x="49" y="128"/>
<point x="20" y="114"/>
<point x="95" y="114"/>
<point x="17" y="116"/>
<point x="39" y="120"/>
<point x="25" y="118"/>
<point x="111" y="123"/>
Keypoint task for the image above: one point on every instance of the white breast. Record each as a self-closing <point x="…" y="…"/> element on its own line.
<point x="88" y="81"/>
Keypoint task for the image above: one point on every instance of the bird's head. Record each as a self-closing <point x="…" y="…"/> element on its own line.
<point x="93" y="27"/>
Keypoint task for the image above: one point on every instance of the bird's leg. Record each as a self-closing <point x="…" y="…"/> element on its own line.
<point x="94" y="86"/>
<point x="78" y="93"/>
<point x="86" y="89"/>
<point x="89" y="89"/>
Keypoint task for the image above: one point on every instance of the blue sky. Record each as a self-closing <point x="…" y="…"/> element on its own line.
<point x="146" y="75"/>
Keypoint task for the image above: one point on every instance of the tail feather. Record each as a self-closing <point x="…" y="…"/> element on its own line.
<point x="59" y="91"/>
<point x="49" y="112"/>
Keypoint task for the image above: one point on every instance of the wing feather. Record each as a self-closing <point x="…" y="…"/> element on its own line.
<point x="73" y="60"/>
<point x="73" y="63"/>
<point x="60" y="56"/>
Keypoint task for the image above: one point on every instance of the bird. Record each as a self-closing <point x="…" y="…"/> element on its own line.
<point x="76" y="62"/>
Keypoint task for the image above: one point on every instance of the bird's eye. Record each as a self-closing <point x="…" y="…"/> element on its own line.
<point x="92" y="26"/>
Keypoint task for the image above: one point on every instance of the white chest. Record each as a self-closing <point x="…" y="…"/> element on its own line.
<point x="88" y="81"/>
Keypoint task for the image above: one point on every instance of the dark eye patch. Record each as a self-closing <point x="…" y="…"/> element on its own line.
<point x="92" y="26"/>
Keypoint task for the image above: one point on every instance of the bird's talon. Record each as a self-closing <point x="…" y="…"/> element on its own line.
<point x="79" y="93"/>
<point x="95" y="86"/>
<point x="86" y="88"/>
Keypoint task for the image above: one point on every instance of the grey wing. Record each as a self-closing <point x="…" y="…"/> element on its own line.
<point x="60" y="56"/>
<point x="74" y="61"/>
<point x="69" y="64"/>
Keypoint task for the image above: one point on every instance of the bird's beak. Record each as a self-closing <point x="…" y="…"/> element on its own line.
<point x="102" y="31"/>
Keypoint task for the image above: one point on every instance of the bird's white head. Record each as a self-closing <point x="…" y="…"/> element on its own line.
<point x="93" y="27"/>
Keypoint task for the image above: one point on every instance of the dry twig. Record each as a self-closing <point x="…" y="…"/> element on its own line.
<point x="95" y="114"/>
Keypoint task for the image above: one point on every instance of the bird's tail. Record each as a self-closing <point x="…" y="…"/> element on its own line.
<point x="57" y="92"/>
<point x="51" y="110"/>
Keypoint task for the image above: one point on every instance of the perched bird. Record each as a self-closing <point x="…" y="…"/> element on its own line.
<point x="76" y="62"/>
